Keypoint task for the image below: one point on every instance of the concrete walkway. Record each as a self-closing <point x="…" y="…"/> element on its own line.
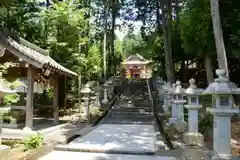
<point x="117" y="138"/>
<point x="61" y="155"/>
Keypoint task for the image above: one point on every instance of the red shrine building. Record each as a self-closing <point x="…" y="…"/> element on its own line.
<point x="135" y="66"/>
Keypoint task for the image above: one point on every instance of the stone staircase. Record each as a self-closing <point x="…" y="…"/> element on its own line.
<point x="134" y="114"/>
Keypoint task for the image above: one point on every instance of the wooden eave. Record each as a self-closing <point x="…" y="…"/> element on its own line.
<point x="135" y="59"/>
<point x="31" y="54"/>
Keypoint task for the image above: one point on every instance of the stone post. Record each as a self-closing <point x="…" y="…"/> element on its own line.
<point x="105" y="93"/>
<point x="166" y="97"/>
<point x="110" y="88"/>
<point x="193" y="137"/>
<point x="221" y="90"/>
<point x="86" y="94"/>
<point x="173" y="119"/>
<point x="179" y="102"/>
<point x="97" y="101"/>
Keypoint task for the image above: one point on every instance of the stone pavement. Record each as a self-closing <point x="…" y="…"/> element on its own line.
<point x="117" y="138"/>
<point x="62" y="155"/>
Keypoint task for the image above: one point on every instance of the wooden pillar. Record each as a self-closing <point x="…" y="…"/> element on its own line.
<point x="55" y="100"/>
<point x="62" y="91"/>
<point x="29" y="103"/>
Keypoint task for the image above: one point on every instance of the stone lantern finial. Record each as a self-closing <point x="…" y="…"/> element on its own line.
<point x="86" y="89"/>
<point x="221" y="73"/>
<point x="178" y="83"/>
<point x="192" y="83"/>
<point x="174" y="85"/>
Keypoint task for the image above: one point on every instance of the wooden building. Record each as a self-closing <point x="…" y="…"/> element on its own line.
<point x="136" y="66"/>
<point x="34" y="63"/>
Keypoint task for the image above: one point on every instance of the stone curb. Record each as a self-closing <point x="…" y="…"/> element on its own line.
<point x="111" y="151"/>
<point x="51" y="129"/>
<point x="21" y="134"/>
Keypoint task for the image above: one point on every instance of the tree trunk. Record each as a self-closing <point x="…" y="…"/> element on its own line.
<point x="218" y="35"/>
<point x="79" y="87"/>
<point x="105" y="46"/>
<point x="167" y="41"/>
<point x="114" y="13"/>
<point x="209" y="69"/>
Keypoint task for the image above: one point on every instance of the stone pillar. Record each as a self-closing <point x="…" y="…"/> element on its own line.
<point x="97" y="101"/>
<point x="179" y="92"/>
<point x="105" y="94"/>
<point x="180" y="109"/>
<point x="86" y="93"/>
<point x="193" y="137"/>
<point x="110" y="88"/>
<point x="55" y="101"/>
<point x="166" y="95"/>
<point x="173" y="119"/>
<point x="29" y="105"/>
<point x="179" y="102"/>
<point x="165" y="103"/>
<point x="222" y="111"/>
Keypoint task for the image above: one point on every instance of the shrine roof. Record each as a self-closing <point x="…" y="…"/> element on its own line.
<point x="136" y="59"/>
<point x="30" y="53"/>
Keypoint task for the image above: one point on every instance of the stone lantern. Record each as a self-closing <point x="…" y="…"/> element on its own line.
<point x="118" y="76"/>
<point x="105" y="93"/>
<point x="86" y="94"/>
<point x="166" y="96"/>
<point x="179" y="101"/>
<point x="193" y="93"/>
<point x="173" y="119"/>
<point x="110" y="88"/>
<point x="97" y="100"/>
<point x="159" y="83"/>
<point x="222" y="90"/>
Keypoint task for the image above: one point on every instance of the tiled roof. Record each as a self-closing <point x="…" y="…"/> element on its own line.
<point x="136" y="59"/>
<point x="31" y="53"/>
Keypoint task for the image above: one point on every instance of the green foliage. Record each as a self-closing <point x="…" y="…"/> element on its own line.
<point x="11" y="99"/>
<point x="196" y="28"/>
<point x="14" y="116"/>
<point x="205" y="123"/>
<point x="34" y="142"/>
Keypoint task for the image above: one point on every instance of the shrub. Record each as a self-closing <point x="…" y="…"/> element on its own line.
<point x="14" y="116"/>
<point x="33" y="142"/>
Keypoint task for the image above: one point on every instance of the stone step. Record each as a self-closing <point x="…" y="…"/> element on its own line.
<point x="118" y="113"/>
<point x="128" y="121"/>
<point x="131" y="109"/>
<point x="136" y="117"/>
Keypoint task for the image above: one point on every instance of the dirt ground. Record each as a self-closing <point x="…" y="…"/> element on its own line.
<point x="236" y="136"/>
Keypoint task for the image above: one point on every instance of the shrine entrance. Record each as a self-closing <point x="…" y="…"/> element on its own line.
<point x="135" y="72"/>
<point x="135" y="66"/>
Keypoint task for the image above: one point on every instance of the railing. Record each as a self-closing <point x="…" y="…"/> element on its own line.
<point x="157" y="118"/>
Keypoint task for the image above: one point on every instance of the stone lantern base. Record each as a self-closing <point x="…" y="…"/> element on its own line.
<point x="193" y="139"/>
<point x="4" y="152"/>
